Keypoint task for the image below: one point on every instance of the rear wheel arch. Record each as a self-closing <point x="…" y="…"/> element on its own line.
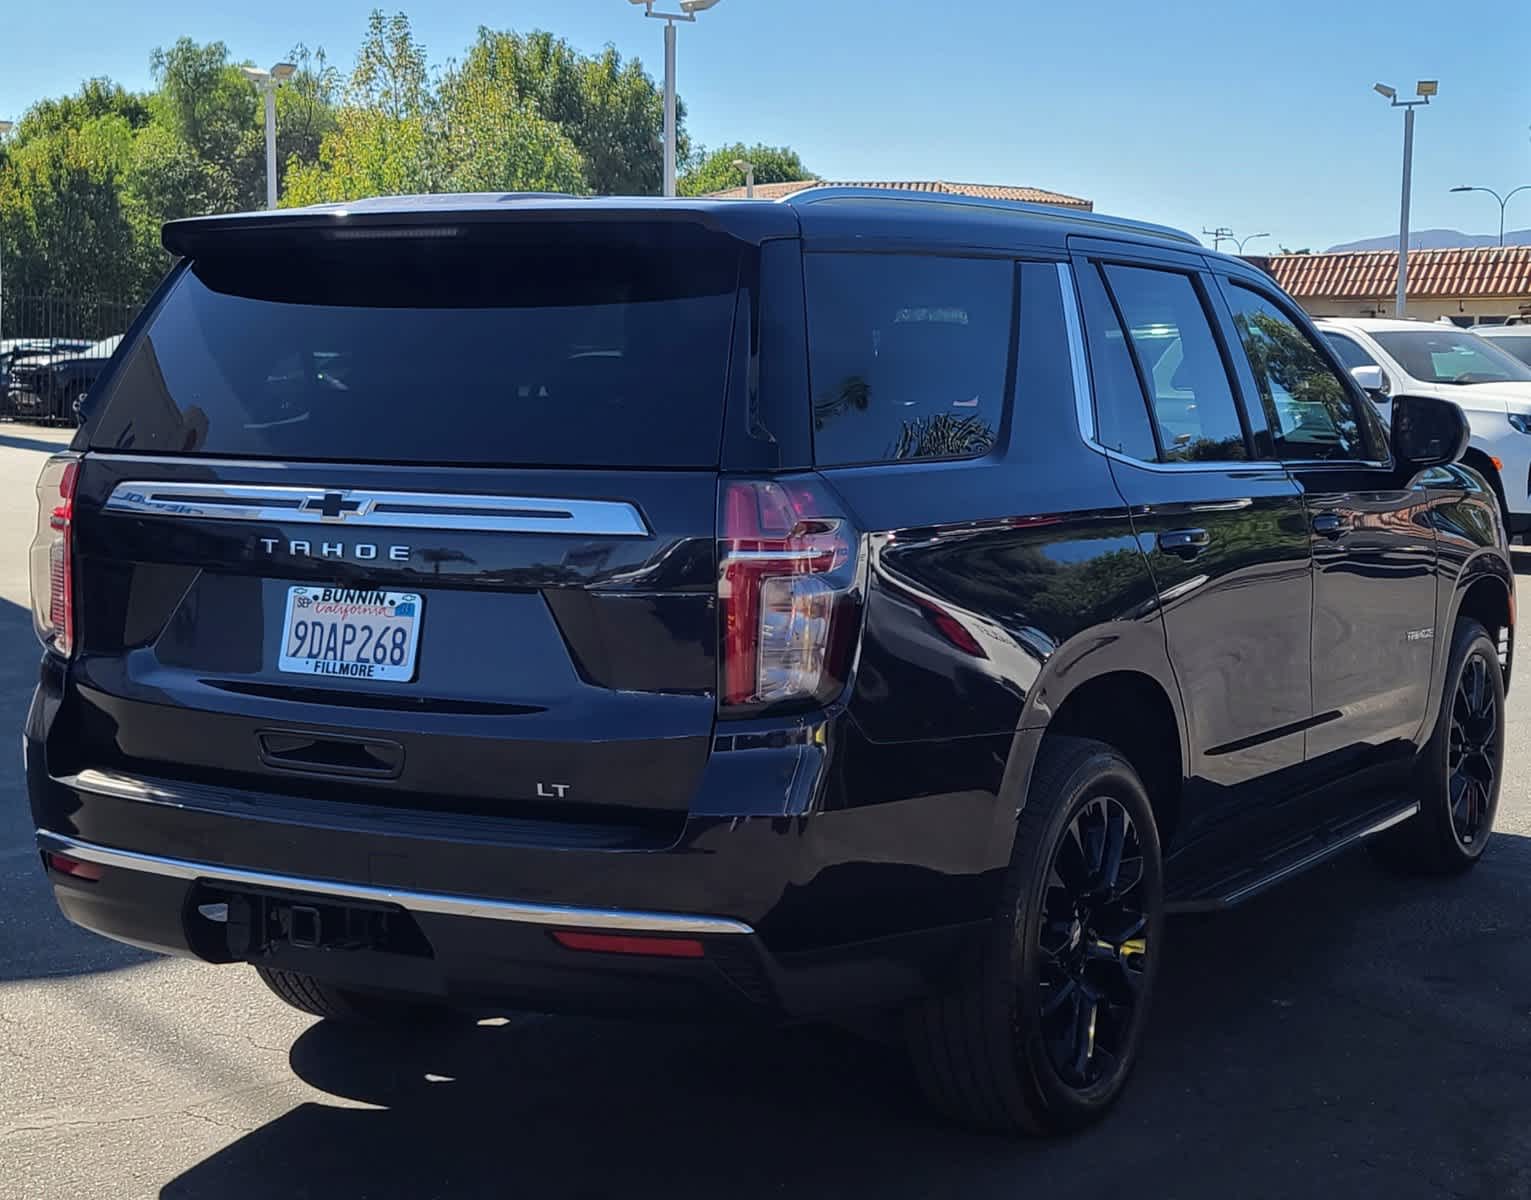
<point x="1136" y="715"/>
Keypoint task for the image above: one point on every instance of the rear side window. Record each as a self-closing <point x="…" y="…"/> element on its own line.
<point x="1190" y="396"/>
<point x="579" y="346"/>
<point x="908" y="355"/>
<point x="1121" y="413"/>
<point x="1312" y="413"/>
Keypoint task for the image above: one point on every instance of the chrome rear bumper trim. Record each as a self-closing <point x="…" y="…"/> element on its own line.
<point x="564" y="916"/>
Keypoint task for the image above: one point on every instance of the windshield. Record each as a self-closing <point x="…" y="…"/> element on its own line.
<point x="1442" y="355"/>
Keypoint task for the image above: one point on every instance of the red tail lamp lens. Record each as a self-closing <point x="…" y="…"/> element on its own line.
<point x="787" y="561"/>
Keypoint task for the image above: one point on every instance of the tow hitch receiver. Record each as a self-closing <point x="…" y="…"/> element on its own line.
<point x="255" y="925"/>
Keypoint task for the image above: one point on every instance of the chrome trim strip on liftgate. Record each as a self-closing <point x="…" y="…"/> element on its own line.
<point x="363" y="508"/>
<point x="515" y="911"/>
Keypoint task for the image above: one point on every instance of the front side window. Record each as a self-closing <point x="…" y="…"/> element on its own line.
<point x="908" y="355"/>
<point x="1437" y="354"/>
<point x="1311" y="412"/>
<point x="1190" y="397"/>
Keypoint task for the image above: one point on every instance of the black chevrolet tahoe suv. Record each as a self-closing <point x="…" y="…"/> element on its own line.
<point x="864" y="602"/>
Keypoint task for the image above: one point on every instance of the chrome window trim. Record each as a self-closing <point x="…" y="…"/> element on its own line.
<point x="426" y="902"/>
<point x="376" y="509"/>
<point x="1084" y="407"/>
<point x="1073" y="326"/>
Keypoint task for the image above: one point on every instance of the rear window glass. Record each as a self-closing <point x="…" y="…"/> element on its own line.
<point x="587" y="347"/>
<point x="907" y="354"/>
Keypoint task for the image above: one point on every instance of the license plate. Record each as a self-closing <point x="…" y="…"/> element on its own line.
<point x="351" y="632"/>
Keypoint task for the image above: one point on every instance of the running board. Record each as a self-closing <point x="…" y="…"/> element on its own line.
<point x="1206" y="895"/>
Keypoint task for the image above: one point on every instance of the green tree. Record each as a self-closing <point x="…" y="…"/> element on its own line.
<point x="382" y="142"/>
<point x="305" y="107"/>
<point x="608" y="107"/>
<point x="62" y="216"/>
<point x="204" y="100"/>
<point x="714" y="170"/>
<point x="396" y="132"/>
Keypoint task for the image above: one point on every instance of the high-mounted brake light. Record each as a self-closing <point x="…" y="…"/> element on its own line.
<point x="787" y="593"/>
<point x="52" y="555"/>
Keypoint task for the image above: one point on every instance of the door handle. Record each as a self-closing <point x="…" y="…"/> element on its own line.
<point x="1184" y="543"/>
<point x="1330" y="525"/>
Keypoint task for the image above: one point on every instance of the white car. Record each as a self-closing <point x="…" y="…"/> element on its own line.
<point x="1492" y="387"/>
<point x="1514" y="338"/>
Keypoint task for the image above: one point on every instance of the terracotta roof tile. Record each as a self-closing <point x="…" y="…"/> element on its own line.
<point x="987" y="191"/>
<point x="1478" y="271"/>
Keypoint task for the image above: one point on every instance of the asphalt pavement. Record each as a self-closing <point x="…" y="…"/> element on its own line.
<point x="1348" y="1034"/>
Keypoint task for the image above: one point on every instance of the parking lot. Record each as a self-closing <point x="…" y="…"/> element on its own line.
<point x="1349" y="1034"/>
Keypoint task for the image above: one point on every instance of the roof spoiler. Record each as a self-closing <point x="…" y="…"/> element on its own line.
<point x="449" y="217"/>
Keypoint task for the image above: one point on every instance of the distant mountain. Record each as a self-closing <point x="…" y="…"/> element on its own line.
<point x="1437" y="239"/>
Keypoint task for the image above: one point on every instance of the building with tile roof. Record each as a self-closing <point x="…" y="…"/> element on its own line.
<point x="1480" y="283"/>
<point x="987" y="191"/>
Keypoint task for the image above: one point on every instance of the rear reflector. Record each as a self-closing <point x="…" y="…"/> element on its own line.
<point x="628" y="943"/>
<point x="73" y="867"/>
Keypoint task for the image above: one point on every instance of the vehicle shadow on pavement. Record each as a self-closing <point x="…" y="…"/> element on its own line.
<point x="36" y="942"/>
<point x="1350" y="1030"/>
<point x="18" y="442"/>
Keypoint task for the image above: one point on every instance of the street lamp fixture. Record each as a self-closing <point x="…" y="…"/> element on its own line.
<point x="688" y="11"/>
<point x="1424" y="89"/>
<point x="1503" y="200"/>
<point x="268" y="82"/>
<point x="1249" y="237"/>
<point x="744" y="164"/>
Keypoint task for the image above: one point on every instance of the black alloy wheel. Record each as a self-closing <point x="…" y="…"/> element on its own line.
<point x="1093" y="943"/>
<point x="1040" y="1034"/>
<point x="1459" y="771"/>
<point x="1473" y="749"/>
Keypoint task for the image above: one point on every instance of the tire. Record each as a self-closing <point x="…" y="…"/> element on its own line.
<point x="1002" y="1051"/>
<point x="350" y="1006"/>
<point x="1461" y="767"/>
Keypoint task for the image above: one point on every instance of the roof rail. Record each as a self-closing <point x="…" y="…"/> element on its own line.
<point x="1097" y="221"/>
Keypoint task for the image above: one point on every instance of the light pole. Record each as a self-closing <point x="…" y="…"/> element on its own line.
<point x="1424" y="89"/>
<point x="1249" y="237"/>
<point x="743" y="164"/>
<point x="268" y="82"/>
<point x="1219" y="235"/>
<point x="688" y="11"/>
<point x="5" y="128"/>
<point x="1503" y="200"/>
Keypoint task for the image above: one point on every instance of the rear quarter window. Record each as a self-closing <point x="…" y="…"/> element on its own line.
<point x="908" y="355"/>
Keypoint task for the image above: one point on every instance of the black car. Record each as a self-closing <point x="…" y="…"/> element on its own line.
<point x="864" y="601"/>
<point x="53" y="387"/>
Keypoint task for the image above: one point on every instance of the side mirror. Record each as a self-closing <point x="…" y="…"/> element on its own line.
<point x="1373" y="382"/>
<point x="1427" y="432"/>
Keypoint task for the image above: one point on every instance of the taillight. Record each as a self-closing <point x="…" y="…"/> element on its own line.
<point x="787" y="593"/>
<point x="52" y="555"/>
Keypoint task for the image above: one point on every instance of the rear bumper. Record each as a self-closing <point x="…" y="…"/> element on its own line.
<point x="815" y="913"/>
<point x="476" y="950"/>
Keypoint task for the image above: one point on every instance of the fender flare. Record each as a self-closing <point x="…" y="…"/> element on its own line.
<point x="1126" y="647"/>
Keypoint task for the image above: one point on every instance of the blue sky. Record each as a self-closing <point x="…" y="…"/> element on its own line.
<point x="1259" y="117"/>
